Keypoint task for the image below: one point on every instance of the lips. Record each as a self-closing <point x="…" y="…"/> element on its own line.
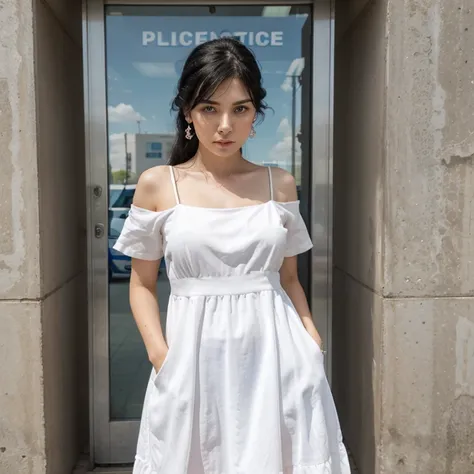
<point x="224" y="142"/>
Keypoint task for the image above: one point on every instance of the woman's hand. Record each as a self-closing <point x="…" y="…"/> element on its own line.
<point x="314" y="335"/>
<point x="318" y="340"/>
<point x="158" y="359"/>
<point x="292" y="286"/>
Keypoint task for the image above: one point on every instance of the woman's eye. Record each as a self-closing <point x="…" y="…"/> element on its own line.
<point x="208" y="108"/>
<point x="241" y="109"/>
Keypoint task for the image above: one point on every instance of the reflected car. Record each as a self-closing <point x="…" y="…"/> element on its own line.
<point x="120" y="199"/>
<point x="120" y="265"/>
<point x="121" y="195"/>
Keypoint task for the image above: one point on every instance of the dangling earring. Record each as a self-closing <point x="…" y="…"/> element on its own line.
<point x="252" y="132"/>
<point x="188" y="131"/>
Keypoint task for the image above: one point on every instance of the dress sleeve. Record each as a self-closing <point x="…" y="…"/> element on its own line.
<point x="297" y="239"/>
<point x="141" y="235"/>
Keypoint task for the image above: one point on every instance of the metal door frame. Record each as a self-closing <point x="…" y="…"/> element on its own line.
<point x="109" y="442"/>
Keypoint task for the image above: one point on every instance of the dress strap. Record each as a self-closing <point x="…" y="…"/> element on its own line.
<point x="270" y="182"/>
<point x="173" y="182"/>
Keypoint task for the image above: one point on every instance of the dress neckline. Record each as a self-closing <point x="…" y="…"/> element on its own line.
<point x="236" y="208"/>
<point x="203" y="208"/>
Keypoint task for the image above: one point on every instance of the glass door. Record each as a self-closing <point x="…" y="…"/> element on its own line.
<point x="135" y="54"/>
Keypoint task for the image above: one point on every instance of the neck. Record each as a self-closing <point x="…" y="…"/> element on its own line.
<point x="218" y="166"/>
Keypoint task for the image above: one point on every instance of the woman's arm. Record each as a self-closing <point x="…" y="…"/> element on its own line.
<point x="291" y="284"/>
<point x="143" y="299"/>
<point x="145" y="309"/>
<point x="286" y="191"/>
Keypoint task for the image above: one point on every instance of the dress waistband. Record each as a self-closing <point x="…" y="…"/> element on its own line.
<point x="230" y="285"/>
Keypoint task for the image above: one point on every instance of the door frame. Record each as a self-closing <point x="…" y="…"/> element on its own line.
<point x="109" y="443"/>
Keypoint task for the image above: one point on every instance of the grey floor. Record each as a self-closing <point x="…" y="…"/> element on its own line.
<point x="125" y="470"/>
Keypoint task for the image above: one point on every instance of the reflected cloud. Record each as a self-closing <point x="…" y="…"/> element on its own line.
<point x="295" y="70"/>
<point x="281" y="152"/>
<point x="284" y="127"/>
<point x="123" y="113"/>
<point x="156" y="70"/>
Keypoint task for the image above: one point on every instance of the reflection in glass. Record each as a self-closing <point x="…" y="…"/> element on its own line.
<point x="145" y="48"/>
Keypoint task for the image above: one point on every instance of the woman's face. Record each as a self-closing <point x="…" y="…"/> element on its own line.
<point x="223" y="122"/>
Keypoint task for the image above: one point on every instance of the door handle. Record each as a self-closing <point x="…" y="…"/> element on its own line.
<point x="97" y="191"/>
<point x="99" y="231"/>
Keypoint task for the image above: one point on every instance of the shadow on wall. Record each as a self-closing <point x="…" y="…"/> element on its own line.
<point x="357" y="278"/>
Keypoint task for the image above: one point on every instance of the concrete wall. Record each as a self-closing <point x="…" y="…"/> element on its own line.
<point x="22" y="433"/>
<point x="358" y="223"/>
<point x="61" y="177"/>
<point x="428" y="389"/>
<point x="43" y="311"/>
<point x="404" y="147"/>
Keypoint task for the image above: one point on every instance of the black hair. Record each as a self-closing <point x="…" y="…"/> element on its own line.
<point x="207" y="66"/>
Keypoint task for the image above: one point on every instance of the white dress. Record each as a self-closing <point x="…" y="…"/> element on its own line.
<point x="243" y="388"/>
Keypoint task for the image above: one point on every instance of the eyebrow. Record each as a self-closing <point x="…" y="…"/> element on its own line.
<point x="213" y="102"/>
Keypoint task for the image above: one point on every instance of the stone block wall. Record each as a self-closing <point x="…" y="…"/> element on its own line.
<point x="404" y="148"/>
<point x="43" y="307"/>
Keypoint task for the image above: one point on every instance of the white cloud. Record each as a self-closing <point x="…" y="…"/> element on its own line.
<point x="123" y="113"/>
<point x="295" y="70"/>
<point x="286" y="85"/>
<point x="284" y="127"/>
<point x="281" y="152"/>
<point x="156" y="70"/>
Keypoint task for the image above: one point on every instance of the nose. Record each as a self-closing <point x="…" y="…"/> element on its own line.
<point x="225" y="126"/>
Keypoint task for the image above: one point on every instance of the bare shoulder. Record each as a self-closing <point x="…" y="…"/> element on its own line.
<point x="150" y="186"/>
<point x="284" y="185"/>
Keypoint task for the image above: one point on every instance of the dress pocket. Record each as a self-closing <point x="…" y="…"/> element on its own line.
<point x="158" y="374"/>
<point x="311" y="342"/>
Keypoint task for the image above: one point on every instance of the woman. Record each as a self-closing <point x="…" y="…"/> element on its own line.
<point x="238" y="384"/>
